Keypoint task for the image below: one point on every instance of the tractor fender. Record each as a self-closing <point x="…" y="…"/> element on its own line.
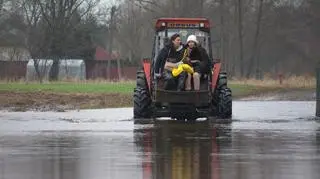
<point x="146" y="69"/>
<point x="215" y="75"/>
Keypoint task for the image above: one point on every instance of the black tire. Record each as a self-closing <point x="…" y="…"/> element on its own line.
<point x="224" y="103"/>
<point x="222" y="81"/>
<point x="222" y="99"/>
<point x="142" y="103"/>
<point x="141" y="97"/>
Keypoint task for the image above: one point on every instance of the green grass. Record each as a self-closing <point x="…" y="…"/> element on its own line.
<point x="92" y="87"/>
<point x="122" y="87"/>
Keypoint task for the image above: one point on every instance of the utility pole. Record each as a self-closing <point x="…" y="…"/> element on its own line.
<point x="111" y="30"/>
<point x="119" y="68"/>
<point x="222" y="39"/>
<point x="318" y="91"/>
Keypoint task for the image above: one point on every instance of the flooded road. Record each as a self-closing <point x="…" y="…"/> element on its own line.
<point x="265" y="140"/>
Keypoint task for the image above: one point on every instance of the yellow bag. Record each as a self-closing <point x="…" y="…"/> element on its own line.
<point x="177" y="71"/>
<point x="181" y="68"/>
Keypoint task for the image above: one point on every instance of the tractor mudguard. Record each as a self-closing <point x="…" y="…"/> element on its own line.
<point x="215" y="75"/>
<point x="146" y="68"/>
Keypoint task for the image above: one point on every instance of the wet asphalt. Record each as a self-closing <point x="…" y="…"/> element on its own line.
<point x="269" y="139"/>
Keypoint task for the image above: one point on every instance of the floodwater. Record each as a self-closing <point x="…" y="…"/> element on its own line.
<point x="265" y="140"/>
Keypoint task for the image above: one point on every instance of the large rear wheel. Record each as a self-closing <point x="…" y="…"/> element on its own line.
<point x="141" y="97"/>
<point x="222" y="99"/>
<point x="224" y="103"/>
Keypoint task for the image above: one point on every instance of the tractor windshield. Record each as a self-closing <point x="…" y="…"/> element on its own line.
<point x="163" y="36"/>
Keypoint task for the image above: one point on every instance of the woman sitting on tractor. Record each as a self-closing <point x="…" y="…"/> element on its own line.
<point x="194" y="59"/>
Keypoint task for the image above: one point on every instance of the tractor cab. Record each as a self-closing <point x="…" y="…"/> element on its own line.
<point x="166" y="27"/>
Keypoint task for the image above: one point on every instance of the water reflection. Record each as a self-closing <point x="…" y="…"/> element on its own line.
<point x="69" y="156"/>
<point x="165" y="150"/>
<point x="177" y="150"/>
<point x="39" y="157"/>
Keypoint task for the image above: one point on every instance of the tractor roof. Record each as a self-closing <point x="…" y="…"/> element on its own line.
<point x="167" y="19"/>
<point x="205" y="21"/>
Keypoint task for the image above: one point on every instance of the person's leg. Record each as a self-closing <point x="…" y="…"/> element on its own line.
<point x="188" y="82"/>
<point x="196" y="76"/>
<point x="181" y="81"/>
<point x="196" y="81"/>
<point x="169" y="81"/>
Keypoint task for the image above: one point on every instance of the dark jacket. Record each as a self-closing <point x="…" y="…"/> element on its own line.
<point x="205" y="64"/>
<point x="195" y="54"/>
<point x="167" y="53"/>
<point x="199" y="53"/>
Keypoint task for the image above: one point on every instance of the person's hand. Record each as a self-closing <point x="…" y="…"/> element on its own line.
<point x="195" y="61"/>
<point x="178" y="63"/>
<point x="187" y="60"/>
<point x="157" y="75"/>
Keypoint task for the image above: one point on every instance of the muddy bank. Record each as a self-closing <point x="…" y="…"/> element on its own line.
<point x="46" y="101"/>
<point x="282" y="95"/>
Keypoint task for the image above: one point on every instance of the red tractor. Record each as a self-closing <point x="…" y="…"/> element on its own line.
<point x="151" y="100"/>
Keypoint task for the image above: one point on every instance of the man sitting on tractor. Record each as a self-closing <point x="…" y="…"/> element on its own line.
<point x="170" y="60"/>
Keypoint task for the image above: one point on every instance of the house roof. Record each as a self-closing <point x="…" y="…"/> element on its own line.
<point x="103" y="54"/>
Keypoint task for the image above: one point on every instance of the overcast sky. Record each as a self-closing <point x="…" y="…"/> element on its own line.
<point x="111" y="2"/>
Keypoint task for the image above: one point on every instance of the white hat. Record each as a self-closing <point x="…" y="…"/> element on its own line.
<point x="192" y="38"/>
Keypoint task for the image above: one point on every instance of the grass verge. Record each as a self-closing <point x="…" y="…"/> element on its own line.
<point x="100" y="94"/>
<point x="70" y="87"/>
<point x="96" y="88"/>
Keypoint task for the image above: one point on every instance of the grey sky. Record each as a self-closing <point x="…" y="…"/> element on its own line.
<point x="111" y="2"/>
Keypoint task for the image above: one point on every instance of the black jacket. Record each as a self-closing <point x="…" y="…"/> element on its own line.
<point x="195" y="54"/>
<point x="199" y="53"/>
<point x="205" y="64"/>
<point x="167" y="53"/>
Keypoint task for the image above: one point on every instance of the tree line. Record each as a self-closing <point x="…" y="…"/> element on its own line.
<point x="251" y="37"/>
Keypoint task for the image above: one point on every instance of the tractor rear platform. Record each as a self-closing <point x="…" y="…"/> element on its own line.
<point x="182" y="104"/>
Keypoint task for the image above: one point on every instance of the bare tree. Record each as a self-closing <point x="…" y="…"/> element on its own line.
<point x="51" y="27"/>
<point x="222" y="33"/>
<point x="1" y="5"/>
<point x="255" y="48"/>
<point x="240" y="36"/>
<point x="61" y="17"/>
<point x="110" y="39"/>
